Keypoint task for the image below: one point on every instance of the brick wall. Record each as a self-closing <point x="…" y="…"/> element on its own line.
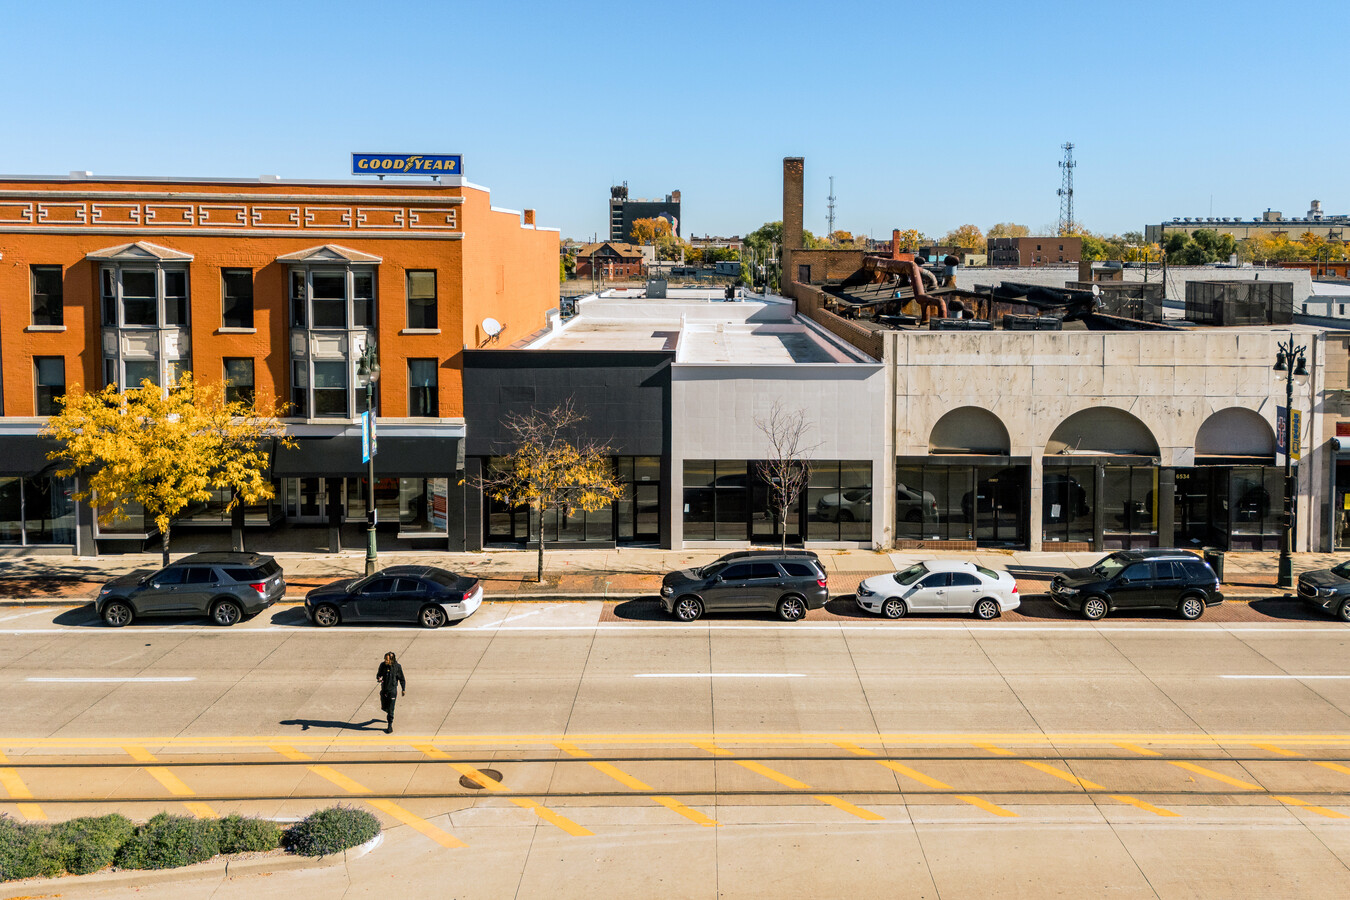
<point x="811" y="303"/>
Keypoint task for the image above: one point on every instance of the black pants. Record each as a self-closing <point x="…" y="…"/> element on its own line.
<point x="387" y="702"/>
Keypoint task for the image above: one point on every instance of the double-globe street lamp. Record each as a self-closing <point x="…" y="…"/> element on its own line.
<point x="368" y="369"/>
<point x="1293" y="362"/>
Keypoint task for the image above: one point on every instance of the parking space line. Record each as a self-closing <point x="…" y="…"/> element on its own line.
<point x="789" y="781"/>
<point x="1092" y="786"/>
<point x="1248" y="786"/>
<point x="17" y="790"/>
<point x="940" y="786"/>
<point x="633" y="784"/>
<point x="416" y="822"/>
<point x="171" y="782"/>
<point x="491" y="784"/>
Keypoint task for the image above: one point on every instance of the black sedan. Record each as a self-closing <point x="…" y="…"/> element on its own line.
<point x="1328" y="590"/>
<point x="429" y="596"/>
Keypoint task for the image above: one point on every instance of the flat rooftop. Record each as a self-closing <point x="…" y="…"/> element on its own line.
<point x="700" y="327"/>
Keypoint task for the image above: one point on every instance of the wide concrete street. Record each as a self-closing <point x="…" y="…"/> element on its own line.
<point x="592" y="749"/>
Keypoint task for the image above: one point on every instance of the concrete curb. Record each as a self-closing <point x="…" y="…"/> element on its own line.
<point x="87" y="885"/>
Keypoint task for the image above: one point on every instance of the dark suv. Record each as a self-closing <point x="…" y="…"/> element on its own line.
<point x="225" y="586"/>
<point x="1139" y="579"/>
<point x="788" y="582"/>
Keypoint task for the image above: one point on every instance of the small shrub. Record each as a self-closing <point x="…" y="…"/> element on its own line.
<point x="243" y="835"/>
<point x="28" y="851"/>
<point x="166" y="842"/>
<point x="91" y="843"/>
<point x="331" y="830"/>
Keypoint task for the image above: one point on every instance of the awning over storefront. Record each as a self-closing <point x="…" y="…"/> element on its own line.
<point x="25" y="454"/>
<point x="340" y="457"/>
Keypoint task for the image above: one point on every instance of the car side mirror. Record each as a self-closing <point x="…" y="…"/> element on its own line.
<point x="717" y="579"/>
<point x="1124" y="579"/>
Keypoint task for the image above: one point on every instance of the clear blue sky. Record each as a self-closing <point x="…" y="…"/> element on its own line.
<point x="925" y="119"/>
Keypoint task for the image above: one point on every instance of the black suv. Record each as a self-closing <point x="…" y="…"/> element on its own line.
<point x="788" y="582"/>
<point x="1328" y="590"/>
<point x="225" y="586"/>
<point x="1139" y="579"/>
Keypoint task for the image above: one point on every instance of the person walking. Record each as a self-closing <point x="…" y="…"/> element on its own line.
<point x="390" y="677"/>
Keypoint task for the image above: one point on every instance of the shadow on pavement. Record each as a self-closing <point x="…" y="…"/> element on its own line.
<point x="290" y="616"/>
<point x="640" y="609"/>
<point x="1040" y="609"/>
<point x="307" y="724"/>
<point x="846" y="607"/>
<point x="79" y="616"/>
<point x="1293" y="610"/>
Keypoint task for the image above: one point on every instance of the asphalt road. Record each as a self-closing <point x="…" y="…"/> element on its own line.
<point x="580" y="749"/>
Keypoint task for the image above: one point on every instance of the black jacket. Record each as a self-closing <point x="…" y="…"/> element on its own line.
<point x="390" y="679"/>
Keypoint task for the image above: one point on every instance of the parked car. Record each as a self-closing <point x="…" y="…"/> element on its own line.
<point x="941" y="586"/>
<point x="225" y="586"/>
<point x="789" y="583"/>
<point x="915" y="506"/>
<point x="429" y="596"/>
<point x="853" y="505"/>
<point x="1328" y="590"/>
<point x="1139" y="579"/>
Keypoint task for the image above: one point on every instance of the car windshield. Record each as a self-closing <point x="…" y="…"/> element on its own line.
<point x="1343" y="570"/>
<point x="712" y="569"/>
<point x="910" y="575"/>
<point x="1109" y="567"/>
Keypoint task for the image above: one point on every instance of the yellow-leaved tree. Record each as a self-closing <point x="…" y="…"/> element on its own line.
<point x="550" y="468"/>
<point x="165" y="450"/>
<point x="967" y="237"/>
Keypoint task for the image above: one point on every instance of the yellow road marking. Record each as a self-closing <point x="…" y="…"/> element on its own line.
<point x="940" y="786"/>
<point x="985" y="745"/>
<point x="1217" y="776"/>
<point x="17" y="790"/>
<point x="1135" y="748"/>
<point x="1320" y="810"/>
<point x="633" y="784"/>
<point x="789" y="781"/>
<point x="853" y="748"/>
<point x="1335" y="767"/>
<point x="1092" y="786"/>
<point x="493" y="784"/>
<point x="1271" y="748"/>
<point x="712" y="748"/>
<point x="171" y="782"/>
<point x="416" y="822"/>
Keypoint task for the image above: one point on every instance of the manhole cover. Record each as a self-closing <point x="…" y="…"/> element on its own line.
<point x="473" y="784"/>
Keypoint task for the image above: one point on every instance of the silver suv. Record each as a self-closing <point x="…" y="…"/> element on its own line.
<point x="225" y="586"/>
<point x="788" y="583"/>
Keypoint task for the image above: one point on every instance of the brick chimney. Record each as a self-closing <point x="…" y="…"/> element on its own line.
<point x="895" y="243"/>
<point x="529" y="217"/>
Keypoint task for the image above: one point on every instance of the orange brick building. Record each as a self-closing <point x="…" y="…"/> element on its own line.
<point x="276" y="287"/>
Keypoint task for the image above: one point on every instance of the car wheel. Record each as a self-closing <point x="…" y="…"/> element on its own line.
<point x="687" y="609"/>
<point x="791" y="609"/>
<point x="431" y="617"/>
<point x="326" y="615"/>
<point x="117" y="614"/>
<point x="1191" y="607"/>
<point x="1345" y="611"/>
<point x="894" y="608"/>
<point x="987" y="609"/>
<point x="226" y="612"/>
<point x="1094" y="608"/>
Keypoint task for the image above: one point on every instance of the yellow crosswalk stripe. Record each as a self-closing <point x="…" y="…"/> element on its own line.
<point x="389" y="807"/>
<point x="492" y="784"/>
<point x="633" y="784"/>
<point x="171" y="782"/>
<point x="17" y="790"/>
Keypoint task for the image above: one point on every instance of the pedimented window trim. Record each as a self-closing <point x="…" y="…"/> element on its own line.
<point x="139" y="251"/>
<point x="329" y="253"/>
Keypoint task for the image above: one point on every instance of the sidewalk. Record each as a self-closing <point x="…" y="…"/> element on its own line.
<point x="595" y="574"/>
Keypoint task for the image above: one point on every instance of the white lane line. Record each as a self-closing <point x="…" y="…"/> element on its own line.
<point x="148" y="680"/>
<point x="1286" y="677"/>
<point x="720" y="675"/>
<point x="898" y="629"/>
<point x="33" y="612"/>
<point x="533" y="612"/>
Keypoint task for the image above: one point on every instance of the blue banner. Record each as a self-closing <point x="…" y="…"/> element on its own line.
<point x="407" y="164"/>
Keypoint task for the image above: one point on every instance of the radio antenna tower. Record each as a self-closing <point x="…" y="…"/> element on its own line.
<point x="830" y="207"/>
<point x="1066" y="224"/>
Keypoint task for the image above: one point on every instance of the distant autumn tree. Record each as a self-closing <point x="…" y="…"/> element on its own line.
<point x="165" y="450"/>
<point x="649" y="231"/>
<point x="910" y="239"/>
<point x="550" y="467"/>
<point x="1007" y="230"/>
<point x="967" y="237"/>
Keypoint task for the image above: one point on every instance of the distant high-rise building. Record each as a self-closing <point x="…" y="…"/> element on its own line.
<point x="623" y="212"/>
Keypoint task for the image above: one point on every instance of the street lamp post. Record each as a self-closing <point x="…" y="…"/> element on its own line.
<point x="1292" y="361"/>
<point x="368" y="367"/>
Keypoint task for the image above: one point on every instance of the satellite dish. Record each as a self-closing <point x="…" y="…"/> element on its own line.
<point x="491" y="327"/>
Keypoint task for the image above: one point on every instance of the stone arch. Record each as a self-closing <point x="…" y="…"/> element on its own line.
<point x="1235" y="431"/>
<point x="970" y="429"/>
<point x="1102" y="431"/>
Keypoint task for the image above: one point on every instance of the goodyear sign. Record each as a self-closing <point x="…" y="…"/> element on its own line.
<point x="407" y="164"/>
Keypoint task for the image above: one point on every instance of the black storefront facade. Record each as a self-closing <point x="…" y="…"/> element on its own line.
<point x="625" y="397"/>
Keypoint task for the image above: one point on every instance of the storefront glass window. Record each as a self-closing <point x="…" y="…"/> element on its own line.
<point x="11" y="511"/>
<point x="839" y="500"/>
<point x="37" y="511"/>
<point x="422" y="504"/>
<point x="699" y="503"/>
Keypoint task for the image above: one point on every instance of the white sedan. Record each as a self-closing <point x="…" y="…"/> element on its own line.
<point x="940" y="586"/>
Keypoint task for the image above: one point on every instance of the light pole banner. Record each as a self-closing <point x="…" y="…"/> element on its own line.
<point x="1296" y="431"/>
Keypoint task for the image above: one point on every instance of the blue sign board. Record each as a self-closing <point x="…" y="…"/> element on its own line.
<point x="1296" y="431"/>
<point x="369" y="443"/>
<point x="407" y="164"/>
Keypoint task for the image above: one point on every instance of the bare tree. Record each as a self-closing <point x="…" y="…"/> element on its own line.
<point x="787" y="470"/>
<point x="550" y="468"/>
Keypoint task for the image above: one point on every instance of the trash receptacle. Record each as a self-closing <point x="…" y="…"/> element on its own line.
<point x="1215" y="560"/>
